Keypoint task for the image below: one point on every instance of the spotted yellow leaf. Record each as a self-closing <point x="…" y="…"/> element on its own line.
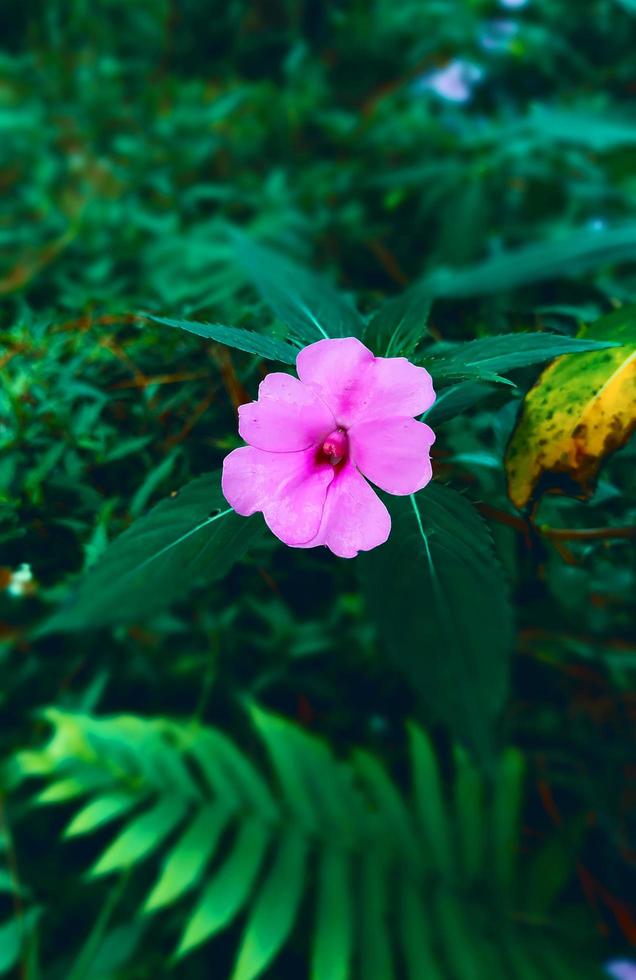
<point x="582" y="408"/>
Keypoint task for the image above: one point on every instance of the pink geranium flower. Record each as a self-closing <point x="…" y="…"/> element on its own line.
<point x="314" y="439"/>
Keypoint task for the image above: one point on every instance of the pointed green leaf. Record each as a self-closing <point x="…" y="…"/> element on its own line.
<point x="486" y="358"/>
<point x="581" y="126"/>
<point x="230" y="773"/>
<point x="13" y="935"/>
<point x="454" y="934"/>
<point x="275" y="909"/>
<point x="224" y="897"/>
<point x="333" y="934"/>
<point x="455" y="399"/>
<point x="387" y="802"/>
<point x="141" y="837"/>
<point x="398" y="326"/>
<point x="7" y="883"/>
<point x="437" y="593"/>
<point x="375" y="950"/>
<point x="66" y="789"/>
<point x="571" y="254"/>
<point x="270" y="348"/>
<point x="323" y="795"/>
<point x="186" y="862"/>
<point x="417" y="938"/>
<point x="307" y="303"/>
<point x="506" y="817"/>
<point x="192" y="536"/>
<point x="288" y="764"/>
<point x="470" y="816"/>
<point x="101" y="811"/>
<point x="430" y="808"/>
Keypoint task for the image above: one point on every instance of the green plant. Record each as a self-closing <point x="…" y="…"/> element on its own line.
<point x="396" y="883"/>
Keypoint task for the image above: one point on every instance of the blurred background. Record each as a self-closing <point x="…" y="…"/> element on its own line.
<point x="488" y="145"/>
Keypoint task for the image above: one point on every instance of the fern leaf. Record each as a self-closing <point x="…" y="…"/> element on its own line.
<point x="275" y="909"/>
<point x="142" y="836"/>
<point x="333" y="936"/>
<point x="186" y="862"/>
<point x="226" y="894"/>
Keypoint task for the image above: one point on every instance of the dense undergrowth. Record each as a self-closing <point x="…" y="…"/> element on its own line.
<point x="389" y="767"/>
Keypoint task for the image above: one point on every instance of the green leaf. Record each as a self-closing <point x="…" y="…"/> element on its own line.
<point x="275" y="908"/>
<point x="376" y="955"/>
<point x="387" y="800"/>
<point x="288" y="766"/>
<point x="399" y="325"/>
<point x="417" y="940"/>
<point x="186" y="862"/>
<point x="455" y="399"/>
<point x="430" y="808"/>
<point x="484" y="359"/>
<point x="437" y="593"/>
<point x="64" y="790"/>
<point x="333" y="935"/>
<point x="454" y="933"/>
<point x="13" y="935"/>
<point x="270" y="348"/>
<point x="113" y="953"/>
<point x="141" y="837"/>
<point x="581" y="127"/>
<point x="470" y="817"/>
<point x="506" y="817"/>
<point x="307" y="303"/>
<point x="231" y="774"/>
<point x="101" y="811"/>
<point x="231" y="886"/>
<point x="192" y="536"/>
<point x="313" y="784"/>
<point x="572" y="254"/>
<point x="7" y="883"/>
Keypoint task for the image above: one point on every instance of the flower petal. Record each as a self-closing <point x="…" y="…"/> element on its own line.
<point x="358" y="386"/>
<point x="393" y="453"/>
<point x="287" y="417"/>
<point x="336" y="368"/>
<point x="289" y="488"/>
<point x="395" y="387"/>
<point x="354" y="518"/>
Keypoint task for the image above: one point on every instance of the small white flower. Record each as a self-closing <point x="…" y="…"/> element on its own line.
<point x="455" y="82"/>
<point x="21" y="582"/>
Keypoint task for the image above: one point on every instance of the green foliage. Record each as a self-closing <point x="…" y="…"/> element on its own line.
<point x="433" y="582"/>
<point x="399" y="326"/>
<point x="268" y="347"/>
<point x="310" y="308"/>
<point x="233" y="835"/>
<point x="481" y="360"/>
<point x="580" y="250"/>
<point x="192" y="537"/>
<point x="258" y="176"/>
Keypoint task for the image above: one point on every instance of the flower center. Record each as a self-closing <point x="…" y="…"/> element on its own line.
<point x="336" y="446"/>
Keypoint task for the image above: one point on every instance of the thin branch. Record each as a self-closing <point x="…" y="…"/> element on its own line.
<point x="555" y="533"/>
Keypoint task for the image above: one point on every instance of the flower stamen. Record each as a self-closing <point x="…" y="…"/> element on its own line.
<point x="336" y="446"/>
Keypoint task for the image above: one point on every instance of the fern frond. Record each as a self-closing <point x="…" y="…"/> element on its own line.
<point x="412" y="884"/>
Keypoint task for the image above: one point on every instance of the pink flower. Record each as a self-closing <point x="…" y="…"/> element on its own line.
<point x="621" y="969"/>
<point x="314" y="439"/>
<point x="455" y="82"/>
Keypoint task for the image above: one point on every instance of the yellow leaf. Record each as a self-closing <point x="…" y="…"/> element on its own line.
<point x="582" y="408"/>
